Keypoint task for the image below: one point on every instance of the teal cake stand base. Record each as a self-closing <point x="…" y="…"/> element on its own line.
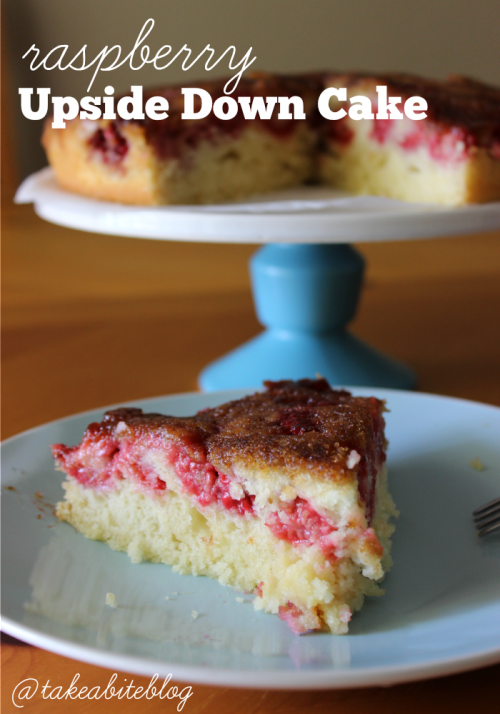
<point x="305" y="295"/>
<point x="305" y="292"/>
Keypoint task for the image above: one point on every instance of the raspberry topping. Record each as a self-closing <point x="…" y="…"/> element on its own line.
<point x="110" y="143"/>
<point x="297" y="522"/>
<point x="209" y="486"/>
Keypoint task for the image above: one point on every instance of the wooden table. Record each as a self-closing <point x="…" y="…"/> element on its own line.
<point x="90" y="320"/>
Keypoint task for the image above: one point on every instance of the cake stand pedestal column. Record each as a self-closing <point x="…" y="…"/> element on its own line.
<point x="305" y="295"/>
<point x="306" y="280"/>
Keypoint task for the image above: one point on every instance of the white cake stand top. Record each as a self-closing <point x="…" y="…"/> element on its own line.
<point x="304" y="215"/>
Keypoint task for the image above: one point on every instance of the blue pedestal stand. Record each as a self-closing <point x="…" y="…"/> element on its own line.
<point x="305" y="295"/>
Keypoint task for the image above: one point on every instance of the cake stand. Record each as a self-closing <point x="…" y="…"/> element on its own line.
<point x="306" y="279"/>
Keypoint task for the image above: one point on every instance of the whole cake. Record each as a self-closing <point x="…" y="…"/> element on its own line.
<point x="451" y="157"/>
<point x="282" y="493"/>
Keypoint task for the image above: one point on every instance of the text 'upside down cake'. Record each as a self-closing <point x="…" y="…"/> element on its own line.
<point x="451" y="157"/>
<point x="282" y="493"/>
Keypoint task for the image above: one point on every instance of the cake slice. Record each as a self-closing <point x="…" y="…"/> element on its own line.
<point x="452" y="157"/>
<point x="282" y="493"/>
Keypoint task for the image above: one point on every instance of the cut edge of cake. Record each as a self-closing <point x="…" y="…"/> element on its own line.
<point x="434" y="160"/>
<point x="215" y="171"/>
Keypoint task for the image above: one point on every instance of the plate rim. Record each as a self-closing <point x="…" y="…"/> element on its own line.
<point x="341" y="678"/>
<point x="215" y="226"/>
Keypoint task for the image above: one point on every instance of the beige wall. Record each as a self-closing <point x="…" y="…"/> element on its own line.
<point x="429" y="37"/>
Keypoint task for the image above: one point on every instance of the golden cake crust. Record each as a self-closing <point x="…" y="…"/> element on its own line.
<point x="297" y="426"/>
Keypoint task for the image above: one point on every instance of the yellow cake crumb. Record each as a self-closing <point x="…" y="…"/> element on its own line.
<point x="477" y="464"/>
<point x="110" y="600"/>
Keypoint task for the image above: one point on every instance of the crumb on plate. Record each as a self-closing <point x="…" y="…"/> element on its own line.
<point x="477" y="464"/>
<point x="110" y="600"/>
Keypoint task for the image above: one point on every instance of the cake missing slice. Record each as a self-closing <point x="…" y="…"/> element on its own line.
<point x="282" y="493"/>
<point x="452" y="157"/>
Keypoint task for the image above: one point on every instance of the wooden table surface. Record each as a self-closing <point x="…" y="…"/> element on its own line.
<point x="90" y="320"/>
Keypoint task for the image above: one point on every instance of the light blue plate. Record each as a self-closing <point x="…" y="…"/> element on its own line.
<point x="441" y="612"/>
